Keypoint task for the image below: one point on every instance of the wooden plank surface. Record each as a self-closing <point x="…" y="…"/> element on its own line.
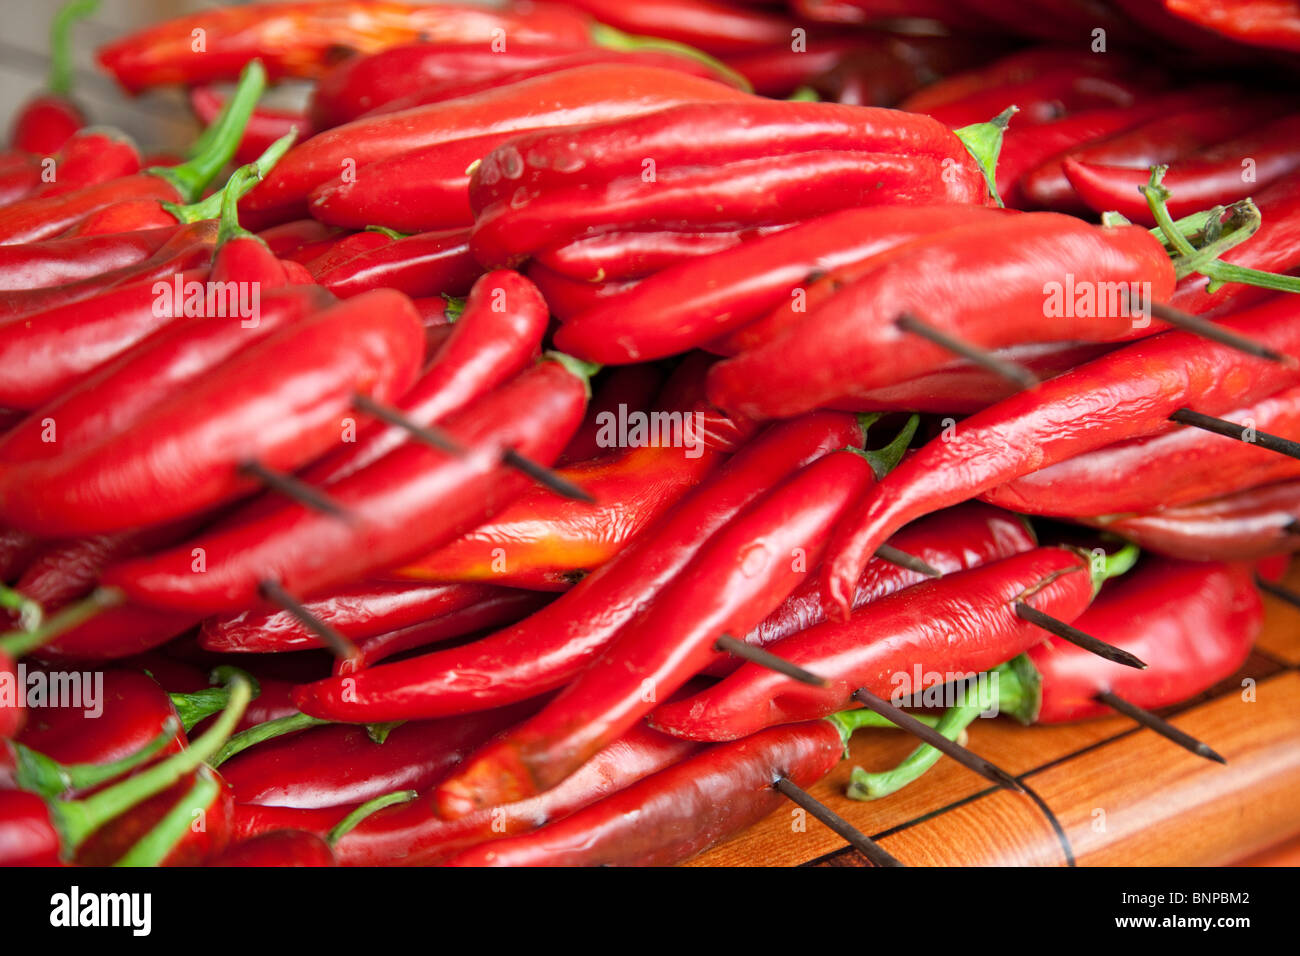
<point x="1123" y="795"/>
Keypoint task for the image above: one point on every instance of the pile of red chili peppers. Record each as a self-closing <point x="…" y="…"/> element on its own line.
<point x="535" y="448"/>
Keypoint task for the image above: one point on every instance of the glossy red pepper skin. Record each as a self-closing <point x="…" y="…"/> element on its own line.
<point x="1178" y="129"/>
<point x="1047" y="97"/>
<point x="89" y="158"/>
<point x="161" y="55"/>
<point x="963" y="388"/>
<point x="339" y="764"/>
<point x="430" y="263"/>
<point x="38" y="265"/>
<point x="57" y="348"/>
<point x="1193" y="622"/>
<point x="1125" y="394"/>
<point x="1242" y="526"/>
<point x="1010" y="70"/>
<point x="345" y="247"/>
<point x="986" y="283"/>
<point x="359" y="611"/>
<point x="1213" y="177"/>
<point x="680" y="811"/>
<point x="36" y="218"/>
<point x="958" y="539"/>
<point x="1266" y="23"/>
<point x="959" y="624"/>
<point x="264" y="127"/>
<point x="701" y="299"/>
<point x="45" y="124"/>
<point x="109" y="843"/>
<point x="27" y="834"/>
<point x="118" y="632"/>
<point x="568" y="298"/>
<point x="19" y="176"/>
<point x="289" y="240"/>
<point x="277" y="848"/>
<point x="1179" y="466"/>
<point x="616" y="256"/>
<point x="582" y="95"/>
<point x="548" y="543"/>
<point x="633" y="387"/>
<point x="550" y="648"/>
<point x="185" y="462"/>
<point x="705" y="24"/>
<point x="401" y="505"/>
<point x="740" y="575"/>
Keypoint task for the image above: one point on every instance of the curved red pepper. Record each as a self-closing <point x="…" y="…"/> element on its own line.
<point x="1125" y="394"/>
<point x="38" y="265"/>
<point x="676" y="813"/>
<point x="47" y="121"/>
<point x="988" y="283"/>
<point x="430" y="263"/>
<point x="708" y="25"/>
<point x="277" y="848"/>
<point x="960" y="624"/>
<point x="400" y="506"/>
<point x="1193" y="623"/>
<point x="1267" y="23"/>
<point x="568" y="298"/>
<point x="550" y="648"/>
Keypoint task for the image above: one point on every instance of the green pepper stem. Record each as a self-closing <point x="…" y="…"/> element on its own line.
<point x="884" y="460"/>
<point x="60" y="78"/>
<point x="17" y="643"/>
<point x="37" y="773"/>
<point x="611" y="38"/>
<point x="984" y="142"/>
<point x="29" y="612"/>
<point x="579" y="368"/>
<point x="213" y="206"/>
<point x="847" y="721"/>
<point x="349" y="823"/>
<point x="201" y="704"/>
<point x="215" y="148"/>
<point x="1114" y="564"/>
<point x="266" y="730"/>
<point x="154" y="847"/>
<point x="78" y="819"/>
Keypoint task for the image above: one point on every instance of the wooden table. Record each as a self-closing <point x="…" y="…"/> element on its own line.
<point x="1122" y="794"/>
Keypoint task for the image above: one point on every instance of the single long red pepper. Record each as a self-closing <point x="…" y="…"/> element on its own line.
<point x="1242" y="526"/>
<point x="46" y="122"/>
<point x="430" y="263"/>
<point x="954" y="626"/>
<point x="581" y="95"/>
<point x="1267" y="23"/>
<point x="1180" y="466"/>
<point x="37" y="265"/>
<point x="1125" y="394"/>
<point x="1221" y="174"/>
<point x="39" y="218"/>
<point x="994" y="284"/>
<point x="183" y="462"/>
<point x="615" y="256"/>
<point x="358" y="611"/>
<point x="320" y="30"/>
<point x="680" y="811"/>
<point x="572" y="297"/>
<point x="738" y="577"/>
<point x="1193" y="623"/>
<point x="548" y="543"/>
<point x="700" y="299"/>
<point x="397" y="508"/>
<point x="550" y="648"/>
<point x="705" y="24"/>
<point x="277" y="848"/>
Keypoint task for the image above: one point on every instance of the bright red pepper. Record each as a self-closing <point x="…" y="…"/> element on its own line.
<point x="264" y="127"/>
<point x="183" y="455"/>
<point x="988" y="283"/>
<point x="705" y="24"/>
<point x="400" y="506"/>
<point x="37" y="265"/>
<point x="616" y="256"/>
<point x="550" y="648"/>
<point x="118" y="632"/>
<point x="882" y="643"/>
<point x="277" y="848"/>
<point x="674" y="814"/>
<point x="305" y="38"/>
<point x="46" y="122"/>
<point x="581" y="95"/>
<point x="632" y="387"/>
<point x="738" y="577"/>
<point x="1267" y="23"/>
<point x="568" y="298"/>
<point x="1125" y="394"/>
<point x="430" y="263"/>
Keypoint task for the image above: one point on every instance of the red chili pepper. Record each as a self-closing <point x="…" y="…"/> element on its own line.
<point x="1179" y="466"/>
<point x="292" y="240"/>
<point x="1163" y="136"/>
<point x="305" y="38"/>
<point x="707" y="25"/>
<point x="867" y="12"/>
<point x="988" y="283"/>
<point x="398" y="507"/>
<point x="45" y="123"/>
<point x="39" y="265"/>
<point x="679" y="811"/>
<point x="1126" y="394"/>
<point x="1010" y="70"/>
<point x="17" y="548"/>
<point x="183" y="455"/>
<point x="550" y="648"/>
<point x="701" y="299"/>
<point x="430" y="263"/>
<point x="1193" y="623"/>
<point x="200" y="796"/>
<point x="19" y="175"/>
<point x="277" y="848"/>
<point x="960" y="538"/>
<point x="631" y="387"/>
<point x="1217" y="175"/>
<point x="617" y="256"/>
<point x="568" y="298"/>
<point x="118" y="632"/>
<point x="582" y="95"/>
<point x="882" y="642"/>
<point x="340" y="764"/>
<point x="348" y="246"/>
<point x="963" y="388"/>
<point x="738" y="577"/>
<point x="1266" y="23"/>
<point x="43" y="218"/>
<point x="1047" y="97"/>
<point x="359" y="611"/>
<point x="88" y="158"/>
<point x="264" y="127"/>
<point x="1242" y="526"/>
